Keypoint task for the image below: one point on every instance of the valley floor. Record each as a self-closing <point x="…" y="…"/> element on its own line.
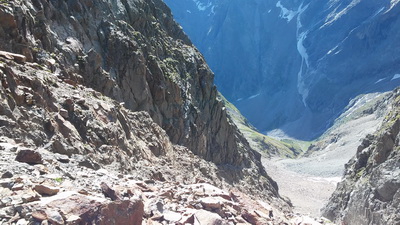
<point x="310" y="180"/>
<point x="307" y="193"/>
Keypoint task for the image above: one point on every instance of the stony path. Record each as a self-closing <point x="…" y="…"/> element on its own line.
<point x="307" y="193"/>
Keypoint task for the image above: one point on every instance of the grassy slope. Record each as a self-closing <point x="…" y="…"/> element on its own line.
<point x="260" y="142"/>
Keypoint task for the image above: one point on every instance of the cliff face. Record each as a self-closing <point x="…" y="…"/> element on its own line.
<point x="295" y="65"/>
<point x="133" y="52"/>
<point x="154" y="90"/>
<point x="369" y="192"/>
<point x="71" y="155"/>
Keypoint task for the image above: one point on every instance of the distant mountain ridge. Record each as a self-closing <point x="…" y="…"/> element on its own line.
<point x="295" y="65"/>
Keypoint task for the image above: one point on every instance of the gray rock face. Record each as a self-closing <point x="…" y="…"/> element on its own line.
<point x="117" y="84"/>
<point x="292" y="64"/>
<point x="133" y="52"/>
<point x="370" y="191"/>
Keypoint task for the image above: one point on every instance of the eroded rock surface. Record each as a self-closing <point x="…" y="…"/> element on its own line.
<point x="370" y="191"/>
<point x="83" y="197"/>
<point x="106" y="108"/>
<point x="113" y="83"/>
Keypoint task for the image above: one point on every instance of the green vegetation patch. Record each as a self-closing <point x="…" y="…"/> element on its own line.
<point x="58" y="179"/>
<point x="260" y="142"/>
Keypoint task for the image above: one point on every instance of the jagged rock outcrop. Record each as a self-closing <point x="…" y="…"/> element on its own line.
<point x="116" y="86"/>
<point x="370" y="191"/>
<point x="96" y="160"/>
<point x="133" y="52"/>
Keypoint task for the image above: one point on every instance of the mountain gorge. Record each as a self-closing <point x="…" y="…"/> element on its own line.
<point x="109" y="114"/>
<point x="295" y="65"/>
<point x="108" y="108"/>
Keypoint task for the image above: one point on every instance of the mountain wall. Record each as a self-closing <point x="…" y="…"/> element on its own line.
<point x="135" y="53"/>
<point x="369" y="192"/>
<point x="295" y="65"/>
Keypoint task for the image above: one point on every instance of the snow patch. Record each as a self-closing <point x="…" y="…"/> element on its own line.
<point x="286" y="13"/>
<point x="327" y="147"/>
<point x="380" y="80"/>
<point x="209" y="31"/>
<point x="333" y="49"/>
<point x="213" y="9"/>
<point x="254" y="96"/>
<point x="396" y="76"/>
<point x="393" y="3"/>
<point x="300" y="47"/>
<point x="359" y="102"/>
<point x="201" y="6"/>
<point x="336" y="49"/>
<point x="379" y="11"/>
<point x="248" y="98"/>
<point x="301" y="85"/>
<point x="333" y="16"/>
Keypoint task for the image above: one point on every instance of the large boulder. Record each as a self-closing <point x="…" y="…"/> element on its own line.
<point x="29" y="156"/>
<point x="92" y="211"/>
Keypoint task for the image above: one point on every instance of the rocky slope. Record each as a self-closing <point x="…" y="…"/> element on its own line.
<point x="134" y="175"/>
<point x="111" y="89"/>
<point x="363" y="116"/>
<point x="295" y="65"/>
<point x="310" y="179"/>
<point x="134" y="53"/>
<point x="369" y="192"/>
<point x="41" y="187"/>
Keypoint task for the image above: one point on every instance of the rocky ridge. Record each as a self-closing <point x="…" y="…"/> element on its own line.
<point x="97" y="94"/>
<point x="134" y="53"/>
<point x="369" y="192"/>
<point x="137" y="173"/>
